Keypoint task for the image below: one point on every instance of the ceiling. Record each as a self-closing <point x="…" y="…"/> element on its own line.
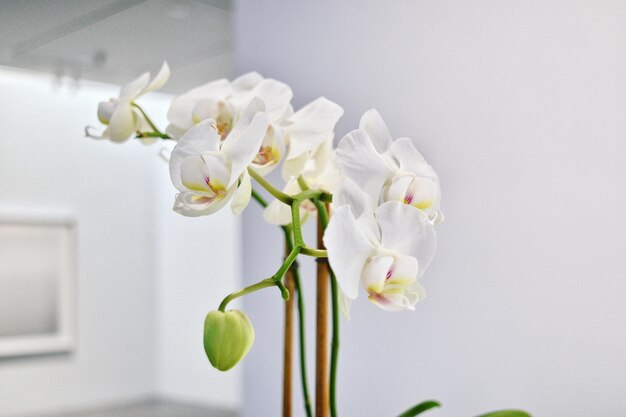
<point x="115" y="40"/>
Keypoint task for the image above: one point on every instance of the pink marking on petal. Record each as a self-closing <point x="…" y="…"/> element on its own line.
<point x="408" y="199"/>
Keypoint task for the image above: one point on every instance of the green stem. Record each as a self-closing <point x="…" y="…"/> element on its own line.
<point x="278" y="276"/>
<point x="258" y="198"/>
<point x="298" y="240"/>
<point x="279" y="195"/>
<point x="268" y="282"/>
<point x="141" y="135"/>
<point x="316" y="253"/>
<point x="295" y="270"/>
<point x="302" y="183"/>
<point x="334" y="344"/>
<point x="152" y="125"/>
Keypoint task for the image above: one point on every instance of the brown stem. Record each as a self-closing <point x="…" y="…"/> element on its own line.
<point x="290" y="284"/>
<point x="322" y="389"/>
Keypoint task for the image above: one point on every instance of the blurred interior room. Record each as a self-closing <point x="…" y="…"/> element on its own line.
<point x="104" y="289"/>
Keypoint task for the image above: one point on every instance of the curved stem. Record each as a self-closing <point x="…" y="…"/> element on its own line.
<point x="268" y="282"/>
<point x="152" y="125"/>
<point x="278" y="276"/>
<point x="316" y="253"/>
<point x="279" y="195"/>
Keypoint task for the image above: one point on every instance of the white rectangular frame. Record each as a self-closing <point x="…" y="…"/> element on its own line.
<point x="64" y="340"/>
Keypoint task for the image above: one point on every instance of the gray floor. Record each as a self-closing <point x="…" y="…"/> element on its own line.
<point x="149" y="408"/>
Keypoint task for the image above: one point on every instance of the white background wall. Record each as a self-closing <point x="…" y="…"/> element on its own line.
<point x="147" y="276"/>
<point x="519" y="106"/>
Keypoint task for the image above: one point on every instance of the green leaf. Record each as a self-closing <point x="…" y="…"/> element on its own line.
<point x="506" y="413"/>
<point x="420" y="408"/>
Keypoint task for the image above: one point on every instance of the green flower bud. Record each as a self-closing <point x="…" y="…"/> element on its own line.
<point x="228" y="336"/>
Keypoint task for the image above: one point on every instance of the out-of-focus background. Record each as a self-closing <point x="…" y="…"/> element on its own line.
<point x="518" y="105"/>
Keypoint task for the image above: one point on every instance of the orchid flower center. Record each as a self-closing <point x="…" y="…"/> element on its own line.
<point x="408" y="188"/>
<point x="269" y="153"/>
<point x="205" y="176"/>
<point x="222" y="112"/>
<point x="388" y="279"/>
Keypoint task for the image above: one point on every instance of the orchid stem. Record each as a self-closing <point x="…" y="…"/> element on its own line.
<point x="268" y="282"/>
<point x="316" y="253"/>
<point x="152" y="125"/>
<point x="141" y="135"/>
<point x="259" y="199"/>
<point x="295" y="270"/>
<point x="279" y="195"/>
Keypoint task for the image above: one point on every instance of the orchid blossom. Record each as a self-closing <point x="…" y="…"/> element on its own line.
<point x="224" y="102"/>
<point x="387" y="169"/>
<point x="121" y="116"/>
<point x="306" y="131"/>
<point x="208" y="172"/>
<point x="386" y="249"/>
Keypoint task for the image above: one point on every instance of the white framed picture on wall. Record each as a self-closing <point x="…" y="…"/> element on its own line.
<point x="37" y="282"/>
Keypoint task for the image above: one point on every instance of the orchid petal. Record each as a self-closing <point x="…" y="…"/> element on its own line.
<point x="180" y="111"/>
<point x="312" y="125"/>
<point x="201" y="138"/>
<point x="409" y="158"/>
<point x="375" y="127"/>
<point x="194" y="174"/>
<point x="244" y="140"/>
<point x="242" y="195"/>
<point x="348" y="250"/>
<point x="122" y="123"/>
<point x="293" y="167"/>
<point x="159" y="80"/>
<point x="348" y="193"/>
<point x="408" y="231"/>
<point x="404" y="271"/>
<point x="360" y="161"/>
<point x="246" y="82"/>
<point x="275" y="95"/>
<point x="105" y="111"/>
<point x="375" y="273"/>
<point x="188" y="204"/>
<point x="134" y="88"/>
<point x="345" y="304"/>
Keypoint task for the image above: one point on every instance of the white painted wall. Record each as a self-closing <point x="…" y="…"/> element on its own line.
<point x="199" y="264"/>
<point x="45" y="162"/>
<point x="147" y="276"/>
<point x="519" y="105"/>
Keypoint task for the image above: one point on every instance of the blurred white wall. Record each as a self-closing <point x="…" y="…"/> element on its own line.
<point x="146" y="276"/>
<point x="519" y="106"/>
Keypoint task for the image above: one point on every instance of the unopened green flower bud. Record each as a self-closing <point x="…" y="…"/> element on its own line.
<point x="228" y="336"/>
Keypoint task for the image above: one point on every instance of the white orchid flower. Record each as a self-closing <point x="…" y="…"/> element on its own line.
<point x="389" y="170"/>
<point x="224" y="102"/>
<point x="208" y="172"/>
<point x="321" y="172"/>
<point x="307" y="130"/>
<point x="386" y="251"/>
<point x="121" y="117"/>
